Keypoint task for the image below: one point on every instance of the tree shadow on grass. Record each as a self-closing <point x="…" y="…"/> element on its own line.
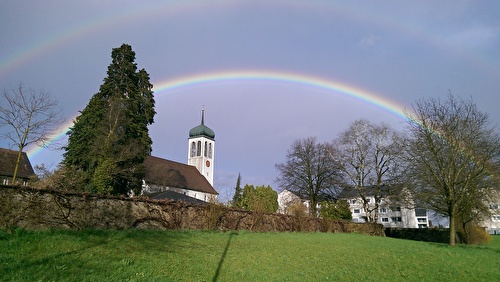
<point x="85" y="244"/>
<point x="224" y="253"/>
<point x="27" y="264"/>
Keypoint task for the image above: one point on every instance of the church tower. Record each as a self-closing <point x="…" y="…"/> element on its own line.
<point x="201" y="149"/>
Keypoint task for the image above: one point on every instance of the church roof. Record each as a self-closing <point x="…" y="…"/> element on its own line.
<point x="8" y="160"/>
<point x="173" y="174"/>
<point x="202" y="129"/>
<point x="172" y="195"/>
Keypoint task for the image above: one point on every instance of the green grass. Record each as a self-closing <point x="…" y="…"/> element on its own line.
<point x="139" y="255"/>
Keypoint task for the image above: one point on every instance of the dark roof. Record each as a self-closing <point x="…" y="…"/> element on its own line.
<point x="172" y="195"/>
<point x="8" y="160"/>
<point x="173" y="174"/>
<point x="351" y="192"/>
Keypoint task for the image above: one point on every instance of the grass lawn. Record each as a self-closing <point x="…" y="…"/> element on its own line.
<point x="140" y="255"/>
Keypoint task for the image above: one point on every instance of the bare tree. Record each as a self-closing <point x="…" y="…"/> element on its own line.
<point x="367" y="156"/>
<point x="31" y="118"/>
<point x="453" y="156"/>
<point x="308" y="171"/>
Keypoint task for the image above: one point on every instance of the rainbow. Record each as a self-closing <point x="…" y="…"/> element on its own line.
<point x="285" y="77"/>
<point x="95" y="25"/>
<point x="166" y="86"/>
<point x="140" y="12"/>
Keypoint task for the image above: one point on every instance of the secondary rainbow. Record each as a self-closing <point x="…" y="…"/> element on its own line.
<point x="336" y="88"/>
<point x="140" y="12"/>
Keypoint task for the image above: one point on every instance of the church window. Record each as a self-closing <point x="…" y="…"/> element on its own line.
<point x="198" y="151"/>
<point x="205" y="149"/>
<point x="210" y="150"/>
<point x="193" y="149"/>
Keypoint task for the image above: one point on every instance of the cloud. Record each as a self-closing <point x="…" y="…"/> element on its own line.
<point x="369" y="40"/>
<point x="474" y="37"/>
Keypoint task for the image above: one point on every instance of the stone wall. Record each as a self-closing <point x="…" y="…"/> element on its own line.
<point x="30" y="208"/>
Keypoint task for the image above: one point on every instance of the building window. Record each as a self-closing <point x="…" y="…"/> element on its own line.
<point x="193" y="149"/>
<point x="210" y="150"/>
<point x="205" y="150"/>
<point x="495" y="218"/>
<point x="396" y="219"/>
<point x="420" y="212"/>
<point x="385" y="219"/>
<point x="494" y="206"/>
<point x="382" y="210"/>
<point x="421" y="219"/>
<point x="396" y="209"/>
<point x="198" y="149"/>
<point x="368" y="200"/>
<point x="356" y="211"/>
<point x="353" y="202"/>
<point x="5" y="181"/>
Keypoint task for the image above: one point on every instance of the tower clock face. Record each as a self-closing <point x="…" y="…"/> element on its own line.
<point x="207" y="163"/>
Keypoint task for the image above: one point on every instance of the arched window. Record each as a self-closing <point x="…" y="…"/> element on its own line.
<point x="198" y="150"/>
<point x="210" y="150"/>
<point x="205" y="149"/>
<point x="193" y="149"/>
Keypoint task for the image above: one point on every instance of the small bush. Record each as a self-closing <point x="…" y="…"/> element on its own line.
<point x="296" y="209"/>
<point x="214" y="213"/>
<point x="338" y="210"/>
<point x="477" y="235"/>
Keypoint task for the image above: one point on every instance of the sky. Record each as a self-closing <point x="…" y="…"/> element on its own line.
<point x="266" y="72"/>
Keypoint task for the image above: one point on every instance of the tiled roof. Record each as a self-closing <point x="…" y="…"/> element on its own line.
<point x="172" y="195"/>
<point x="173" y="174"/>
<point x="8" y="160"/>
<point x="351" y="192"/>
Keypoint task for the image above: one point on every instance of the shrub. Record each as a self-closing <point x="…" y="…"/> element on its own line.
<point x="296" y="209"/>
<point x="476" y="235"/>
<point x="214" y="213"/>
<point x="338" y="210"/>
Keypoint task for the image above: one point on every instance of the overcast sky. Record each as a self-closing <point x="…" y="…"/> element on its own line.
<point x="268" y="72"/>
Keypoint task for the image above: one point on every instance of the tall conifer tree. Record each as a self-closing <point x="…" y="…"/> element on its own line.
<point x="110" y="139"/>
<point x="238" y="193"/>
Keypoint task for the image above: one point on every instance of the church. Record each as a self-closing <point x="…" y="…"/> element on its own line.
<point x="191" y="182"/>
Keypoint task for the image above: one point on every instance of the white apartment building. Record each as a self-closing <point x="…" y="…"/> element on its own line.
<point x="492" y="223"/>
<point x="390" y="213"/>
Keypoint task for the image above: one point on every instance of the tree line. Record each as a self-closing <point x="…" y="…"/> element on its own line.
<point x="447" y="159"/>
<point x="265" y="199"/>
<point x="108" y="141"/>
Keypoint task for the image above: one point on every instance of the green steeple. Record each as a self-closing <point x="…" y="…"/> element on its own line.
<point x="202" y="129"/>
